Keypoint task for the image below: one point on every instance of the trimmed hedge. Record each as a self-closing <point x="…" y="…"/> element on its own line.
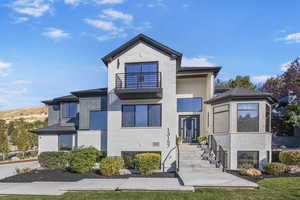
<point x="275" y="168"/>
<point x="53" y="159"/>
<point x="110" y="166"/>
<point x="82" y="160"/>
<point x="290" y="157"/>
<point x="146" y="163"/>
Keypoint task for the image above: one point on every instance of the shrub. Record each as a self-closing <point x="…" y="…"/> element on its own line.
<point x="290" y="157"/>
<point x="23" y="171"/>
<point x="246" y="166"/>
<point x="111" y="165"/>
<point x="179" y="140"/>
<point x="82" y="160"/>
<point x="275" y="168"/>
<point x="202" y="139"/>
<point x="53" y="160"/>
<point x="146" y="163"/>
<point x="251" y="172"/>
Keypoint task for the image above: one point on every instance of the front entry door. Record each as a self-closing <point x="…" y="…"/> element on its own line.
<point x="189" y="127"/>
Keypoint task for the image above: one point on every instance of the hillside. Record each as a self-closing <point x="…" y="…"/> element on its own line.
<point x="29" y="114"/>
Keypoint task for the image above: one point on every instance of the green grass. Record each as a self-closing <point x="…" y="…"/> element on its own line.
<point x="270" y="189"/>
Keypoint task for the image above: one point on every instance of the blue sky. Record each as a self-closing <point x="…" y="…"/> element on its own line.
<point x="51" y="47"/>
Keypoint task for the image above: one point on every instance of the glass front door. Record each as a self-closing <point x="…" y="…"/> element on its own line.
<point x="189" y="127"/>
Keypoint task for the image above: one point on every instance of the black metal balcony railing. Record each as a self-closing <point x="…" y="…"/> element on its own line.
<point x="135" y="80"/>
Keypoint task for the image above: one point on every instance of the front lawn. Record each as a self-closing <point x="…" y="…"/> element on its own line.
<point x="270" y="189"/>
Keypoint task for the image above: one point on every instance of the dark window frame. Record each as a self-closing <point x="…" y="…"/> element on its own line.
<point x="257" y="161"/>
<point x="63" y="110"/>
<point x="72" y="142"/>
<point x="201" y="103"/>
<point x="134" y="126"/>
<point x="237" y="114"/>
<point x="97" y="110"/>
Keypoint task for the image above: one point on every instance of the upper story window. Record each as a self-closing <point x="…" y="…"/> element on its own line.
<point x="69" y="110"/>
<point x="189" y="104"/>
<point x="141" y="75"/>
<point x="141" y="115"/>
<point x="247" y="117"/>
<point x="98" y="120"/>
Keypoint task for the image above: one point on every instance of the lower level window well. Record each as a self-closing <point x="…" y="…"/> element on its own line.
<point x="247" y="158"/>
<point x="65" y="142"/>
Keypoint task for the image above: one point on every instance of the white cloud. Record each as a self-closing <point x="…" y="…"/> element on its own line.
<point x="34" y="8"/>
<point x="103" y="25"/>
<point x="156" y="3"/>
<point x="110" y="1"/>
<point x="4" y="67"/>
<point x="72" y="2"/>
<point x="13" y="92"/>
<point x="20" y="20"/>
<point x="260" y="79"/>
<point x="114" y="14"/>
<point x="55" y="33"/>
<point x="19" y="82"/>
<point x="110" y="36"/>
<point x="197" y="61"/>
<point x="291" y="38"/>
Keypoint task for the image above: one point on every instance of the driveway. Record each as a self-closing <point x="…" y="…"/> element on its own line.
<point x="10" y="169"/>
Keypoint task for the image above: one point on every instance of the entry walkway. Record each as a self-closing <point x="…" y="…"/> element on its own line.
<point x="59" y="188"/>
<point x="212" y="177"/>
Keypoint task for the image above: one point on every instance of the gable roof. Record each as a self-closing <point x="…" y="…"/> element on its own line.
<point x="142" y="38"/>
<point x="240" y="94"/>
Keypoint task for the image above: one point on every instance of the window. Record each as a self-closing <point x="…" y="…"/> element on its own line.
<point x="141" y="75"/>
<point x="189" y="104"/>
<point x="65" y="142"/>
<point x="247" y="120"/>
<point x="103" y="102"/>
<point x="141" y="115"/>
<point x="268" y="118"/>
<point x="70" y="110"/>
<point x="268" y="156"/>
<point x="247" y="158"/>
<point x="98" y="120"/>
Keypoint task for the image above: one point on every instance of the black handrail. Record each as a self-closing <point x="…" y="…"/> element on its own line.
<point x="138" y="80"/>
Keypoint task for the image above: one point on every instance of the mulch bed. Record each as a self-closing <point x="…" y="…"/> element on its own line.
<point x="47" y="175"/>
<point x="263" y="176"/>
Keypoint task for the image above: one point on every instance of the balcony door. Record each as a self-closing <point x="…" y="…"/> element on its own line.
<point x="189" y="127"/>
<point x="141" y="75"/>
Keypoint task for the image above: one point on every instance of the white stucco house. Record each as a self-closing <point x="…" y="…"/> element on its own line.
<point x="150" y="100"/>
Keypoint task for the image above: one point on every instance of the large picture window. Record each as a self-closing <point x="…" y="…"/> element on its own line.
<point x="65" y="142"/>
<point x="246" y="158"/>
<point x="247" y="119"/>
<point x="98" y="120"/>
<point x="189" y="104"/>
<point x="141" y="75"/>
<point x="268" y="118"/>
<point x="146" y="115"/>
<point x="69" y="110"/>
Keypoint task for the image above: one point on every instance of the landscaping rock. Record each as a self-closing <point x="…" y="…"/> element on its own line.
<point x="251" y="172"/>
<point x="124" y="172"/>
<point x="293" y="169"/>
<point x="15" y="158"/>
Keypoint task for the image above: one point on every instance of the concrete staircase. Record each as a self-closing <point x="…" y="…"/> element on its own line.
<point x="193" y="158"/>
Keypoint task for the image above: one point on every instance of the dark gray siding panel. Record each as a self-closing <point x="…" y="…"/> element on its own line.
<point x="88" y="104"/>
<point x="53" y="114"/>
<point x="68" y="121"/>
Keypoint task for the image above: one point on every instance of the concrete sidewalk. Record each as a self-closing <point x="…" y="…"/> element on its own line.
<point x="7" y="170"/>
<point x="212" y="177"/>
<point x="59" y="188"/>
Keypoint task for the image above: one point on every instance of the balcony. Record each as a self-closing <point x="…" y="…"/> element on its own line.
<point x="141" y="85"/>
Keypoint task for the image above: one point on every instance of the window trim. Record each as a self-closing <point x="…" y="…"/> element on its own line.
<point x="122" y="121"/>
<point x="201" y="104"/>
<point x="58" y="141"/>
<point x="63" y="110"/>
<point x="237" y="157"/>
<point x="237" y="116"/>
<point x="147" y="62"/>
